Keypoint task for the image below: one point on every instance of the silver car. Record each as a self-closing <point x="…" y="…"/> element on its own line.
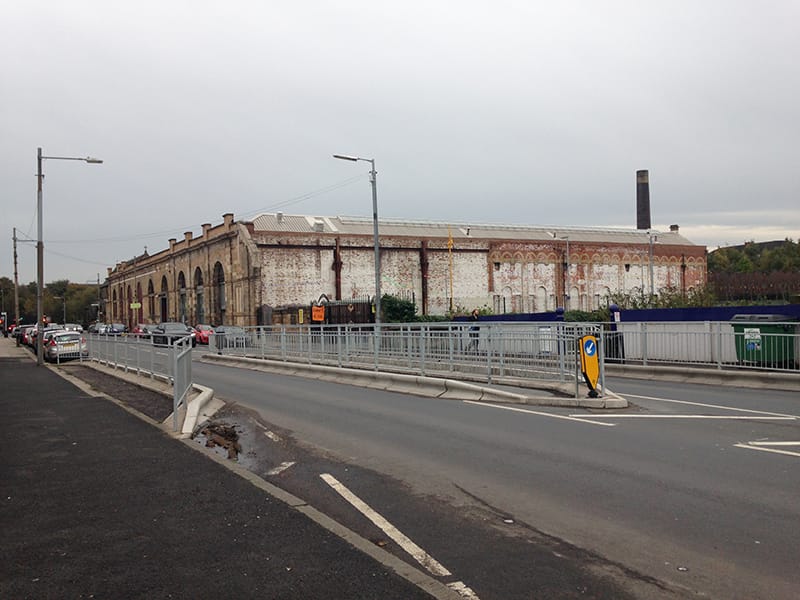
<point x="65" y="344"/>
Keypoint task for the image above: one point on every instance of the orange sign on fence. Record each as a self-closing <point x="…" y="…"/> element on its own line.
<point x="318" y="313"/>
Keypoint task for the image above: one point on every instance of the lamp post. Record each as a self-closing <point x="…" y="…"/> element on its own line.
<point x="372" y="178"/>
<point x="40" y="244"/>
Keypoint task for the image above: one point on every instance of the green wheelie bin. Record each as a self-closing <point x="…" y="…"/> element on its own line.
<point x="765" y="340"/>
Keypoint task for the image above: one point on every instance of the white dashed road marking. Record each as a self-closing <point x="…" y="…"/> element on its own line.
<point x="273" y="436"/>
<point x="281" y="468"/>
<point x="541" y="414"/>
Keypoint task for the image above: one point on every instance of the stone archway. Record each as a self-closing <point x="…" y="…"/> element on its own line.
<point x="218" y="300"/>
<point x="182" y="312"/>
<point x="151" y="301"/>
<point x="164" y="299"/>
<point x="199" y="296"/>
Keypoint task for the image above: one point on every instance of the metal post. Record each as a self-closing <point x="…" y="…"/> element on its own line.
<point x="40" y="244"/>
<point x="39" y="259"/>
<point x="566" y="279"/>
<point x="373" y="179"/>
<point x="16" y="288"/>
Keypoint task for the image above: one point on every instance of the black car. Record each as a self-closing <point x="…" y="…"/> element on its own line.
<point x="166" y="334"/>
<point x="116" y="329"/>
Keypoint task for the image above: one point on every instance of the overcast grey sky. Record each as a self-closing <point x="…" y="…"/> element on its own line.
<point x="521" y="112"/>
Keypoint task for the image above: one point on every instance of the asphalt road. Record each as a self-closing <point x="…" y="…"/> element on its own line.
<point x="685" y="493"/>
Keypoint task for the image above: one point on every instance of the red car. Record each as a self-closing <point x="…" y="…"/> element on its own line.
<point x="203" y="331"/>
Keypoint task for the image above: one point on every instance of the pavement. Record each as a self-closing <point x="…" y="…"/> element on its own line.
<point x="98" y="502"/>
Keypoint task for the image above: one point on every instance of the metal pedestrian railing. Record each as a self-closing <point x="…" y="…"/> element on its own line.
<point x="526" y="350"/>
<point x="544" y="351"/>
<point x="138" y="354"/>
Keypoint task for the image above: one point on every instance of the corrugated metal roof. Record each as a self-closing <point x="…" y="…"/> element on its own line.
<point x="282" y="223"/>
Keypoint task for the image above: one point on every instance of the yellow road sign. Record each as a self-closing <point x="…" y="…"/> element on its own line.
<point x="590" y="362"/>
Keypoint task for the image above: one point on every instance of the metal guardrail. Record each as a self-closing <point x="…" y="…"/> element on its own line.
<point x="543" y="351"/>
<point x="721" y="345"/>
<point x="529" y="350"/>
<point x="137" y="354"/>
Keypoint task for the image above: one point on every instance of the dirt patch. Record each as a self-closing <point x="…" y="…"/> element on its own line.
<point x="222" y="436"/>
<point x="155" y="405"/>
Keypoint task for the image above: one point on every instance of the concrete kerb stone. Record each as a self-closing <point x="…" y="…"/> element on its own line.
<point x="432" y="387"/>
<point x="200" y="404"/>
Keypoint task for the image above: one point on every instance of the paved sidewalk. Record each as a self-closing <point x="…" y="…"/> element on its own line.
<point x="98" y="503"/>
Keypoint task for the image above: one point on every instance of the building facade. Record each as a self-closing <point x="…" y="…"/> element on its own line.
<point x="241" y="272"/>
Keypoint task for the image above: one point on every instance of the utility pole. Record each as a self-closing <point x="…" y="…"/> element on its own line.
<point x="16" y="287"/>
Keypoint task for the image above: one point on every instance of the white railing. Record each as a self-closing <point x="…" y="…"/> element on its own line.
<point x="137" y="354"/>
<point x="722" y="345"/>
<point x="530" y="350"/>
<point x="544" y="351"/>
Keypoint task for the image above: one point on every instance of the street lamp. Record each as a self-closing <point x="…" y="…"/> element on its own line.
<point x="372" y="178"/>
<point x="40" y="244"/>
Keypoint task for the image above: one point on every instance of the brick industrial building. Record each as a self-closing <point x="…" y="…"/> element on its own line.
<point x="245" y="272"/>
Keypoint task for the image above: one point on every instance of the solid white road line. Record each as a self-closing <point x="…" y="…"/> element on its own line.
<point x="774" y="443"/>
<point x="281" y="468"/>
<point x="721" y="417"/>
<point x="422" y="557"/>
<point x="763" y="449"/>
<point x="541" y="414"/>
<point x="747" y="410"/>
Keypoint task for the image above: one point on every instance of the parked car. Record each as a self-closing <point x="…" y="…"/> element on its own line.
<point x="144" y="329"/>
<point x="230" y="336"/>
<point x="25" y="336"/>
<point x="167" y="333"/>
<point x="49" y="332"/>
<point x="62" y="345"/>
<point x="116" y="329"/>
<point x="203" y="331"/>
<point x="98" y="328"/>
<point x="34" y="334"/>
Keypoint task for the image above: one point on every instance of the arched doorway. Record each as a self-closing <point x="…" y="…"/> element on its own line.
<point x="182" y="316"/>
<point x="151" y="301"/>
<point x="138" y="313"/>
<point x="164" y="298"/>
<point x="199" y="296"/>
<point x="129" y="302"/>
<point x="219" y="303"/>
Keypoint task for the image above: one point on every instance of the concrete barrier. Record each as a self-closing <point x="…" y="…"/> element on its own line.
<point x="430" y="387"/>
